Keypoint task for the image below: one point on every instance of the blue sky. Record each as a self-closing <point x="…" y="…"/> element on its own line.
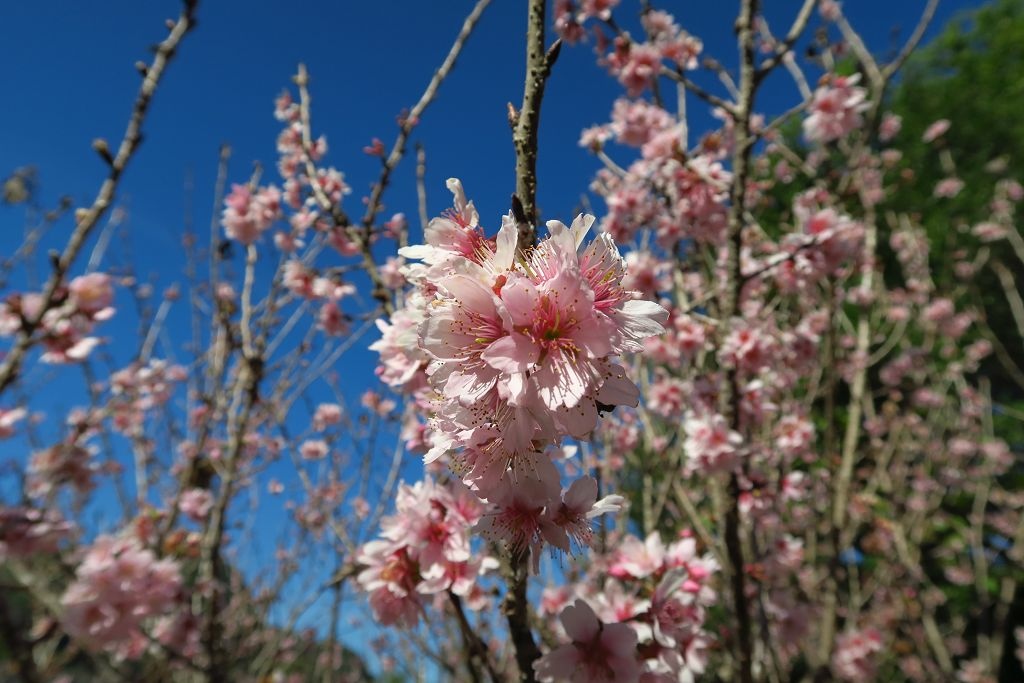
<point x="69" y="78"/>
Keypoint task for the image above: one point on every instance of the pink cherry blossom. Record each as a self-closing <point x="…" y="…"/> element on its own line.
<point x="8" y="420"/>
<point x="92" y="294"/>
<point x="314" y="449"/>
<point x="248" y="215"/>
<point x="852" y="659"/>
<point x="835" y="110"/>
<point x="196" y="503"/>
<point x="26" y="531"/>
<point x="118" y="586"/>
<point x="326" y="415"/>
<point x="598" y="653"/>
<point x="936" y="130"/>
<point x="710" y="445"/>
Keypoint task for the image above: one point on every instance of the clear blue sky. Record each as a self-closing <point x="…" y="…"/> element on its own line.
<point x="68" y="77"/>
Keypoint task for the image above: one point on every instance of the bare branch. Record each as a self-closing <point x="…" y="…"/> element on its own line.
<point x="915" y="38"/>
<point x="786" y="46"/>
<point x="527" y="119"/>
<point x="88" y="219"/>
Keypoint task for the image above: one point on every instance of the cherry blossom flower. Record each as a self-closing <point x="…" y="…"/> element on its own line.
<point x="314" y="449"/>
<point x="326" y="415"/>
<point x="118" y="585"/>
<point x="9" y="418"/>
<point x="710" y="445"/>
<point x="596" y="9"/>
<point x="889" y="127"/>
<point x="424" y="550"/>
<point x="835" y="110"/>
<point x="635" y="65"/>
<point x="60" y="465"/>
<point x="26" y="531"/>
<point x="936" y="130"/>
<point x="196" y="504"/>
<point x="852" y="659"/>
<point x="248" y="215"/>
<point x="598" y="653"/>
<point x="92" y="294"/>
<point x="579" y="505"/>
<point x="947" y="188"/>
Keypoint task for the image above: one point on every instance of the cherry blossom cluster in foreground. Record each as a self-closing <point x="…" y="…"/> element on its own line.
<point x="511" y="351"/>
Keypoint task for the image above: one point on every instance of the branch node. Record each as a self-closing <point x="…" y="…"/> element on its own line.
<point x="518" y="212"/>
<point x="103" y="149"/>
<point x="513" y="116"/>
<point x="552" y="54"/>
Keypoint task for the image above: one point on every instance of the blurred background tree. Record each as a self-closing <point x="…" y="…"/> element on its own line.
<point x="973" y="75"/>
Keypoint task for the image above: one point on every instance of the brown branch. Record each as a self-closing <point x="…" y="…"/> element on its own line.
<point x="526" y="121"/>
<point x="743" y="646"/>
<point x="475" y="647"/>
<point x="421" y="194"/>
<point x="337" y="214"/>
<point x="871" y="68"/>
<point x="915" y="38"/>
<point x="517" y="612"/>
<point x="363" y="237"/>
<point x="525" y="124"/>
<point x="786" y="46"/>
<point x="88" y="219"/>
<point x="412" y="118"/>
<point x="714" y="100"/>
<point x="245" y="400"/>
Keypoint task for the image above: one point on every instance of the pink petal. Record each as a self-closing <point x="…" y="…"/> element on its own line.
<point x="513" y="353"/>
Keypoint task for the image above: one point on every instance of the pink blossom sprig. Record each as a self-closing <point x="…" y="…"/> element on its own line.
<point x="517" y="352"/>
<point x="118" y="588"/>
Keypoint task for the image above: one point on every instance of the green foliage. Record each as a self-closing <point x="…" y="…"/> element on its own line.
<point x="973" y="75"/>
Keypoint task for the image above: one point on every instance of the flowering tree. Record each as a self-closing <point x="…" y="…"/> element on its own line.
<point x="729" y="428"/>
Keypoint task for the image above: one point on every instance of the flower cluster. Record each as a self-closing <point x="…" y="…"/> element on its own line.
<point x="513" y="352"/>
<point x="644" y="616"/>
<point x="68" y="463"/>
<point x="66" y="322"/>
<point x="119" y="585"/>
<point x="26" y="531"/>
<point x="139" y="389"/>
<point x="424" y="550"/>
<point x="852" y="659"/>
<point x="247" y="214"/>
<point x="836" y="109"/>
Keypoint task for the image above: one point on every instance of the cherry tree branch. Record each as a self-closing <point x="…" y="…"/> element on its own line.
<point x="743" y="645"/>
<point x="412" y="118"/>
<point x="526" y="122"/>
<point x="786" y="46"/>
<point x="88" y="218"/>
<point x="915" y="39"/>
<point x="363" y="237"/>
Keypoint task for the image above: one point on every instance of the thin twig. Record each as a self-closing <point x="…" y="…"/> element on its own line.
<point x="526" y="122"/>
<point x="88" y="219"/>
<point x="915" y="38"/>
<point x="786" y="46"/>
